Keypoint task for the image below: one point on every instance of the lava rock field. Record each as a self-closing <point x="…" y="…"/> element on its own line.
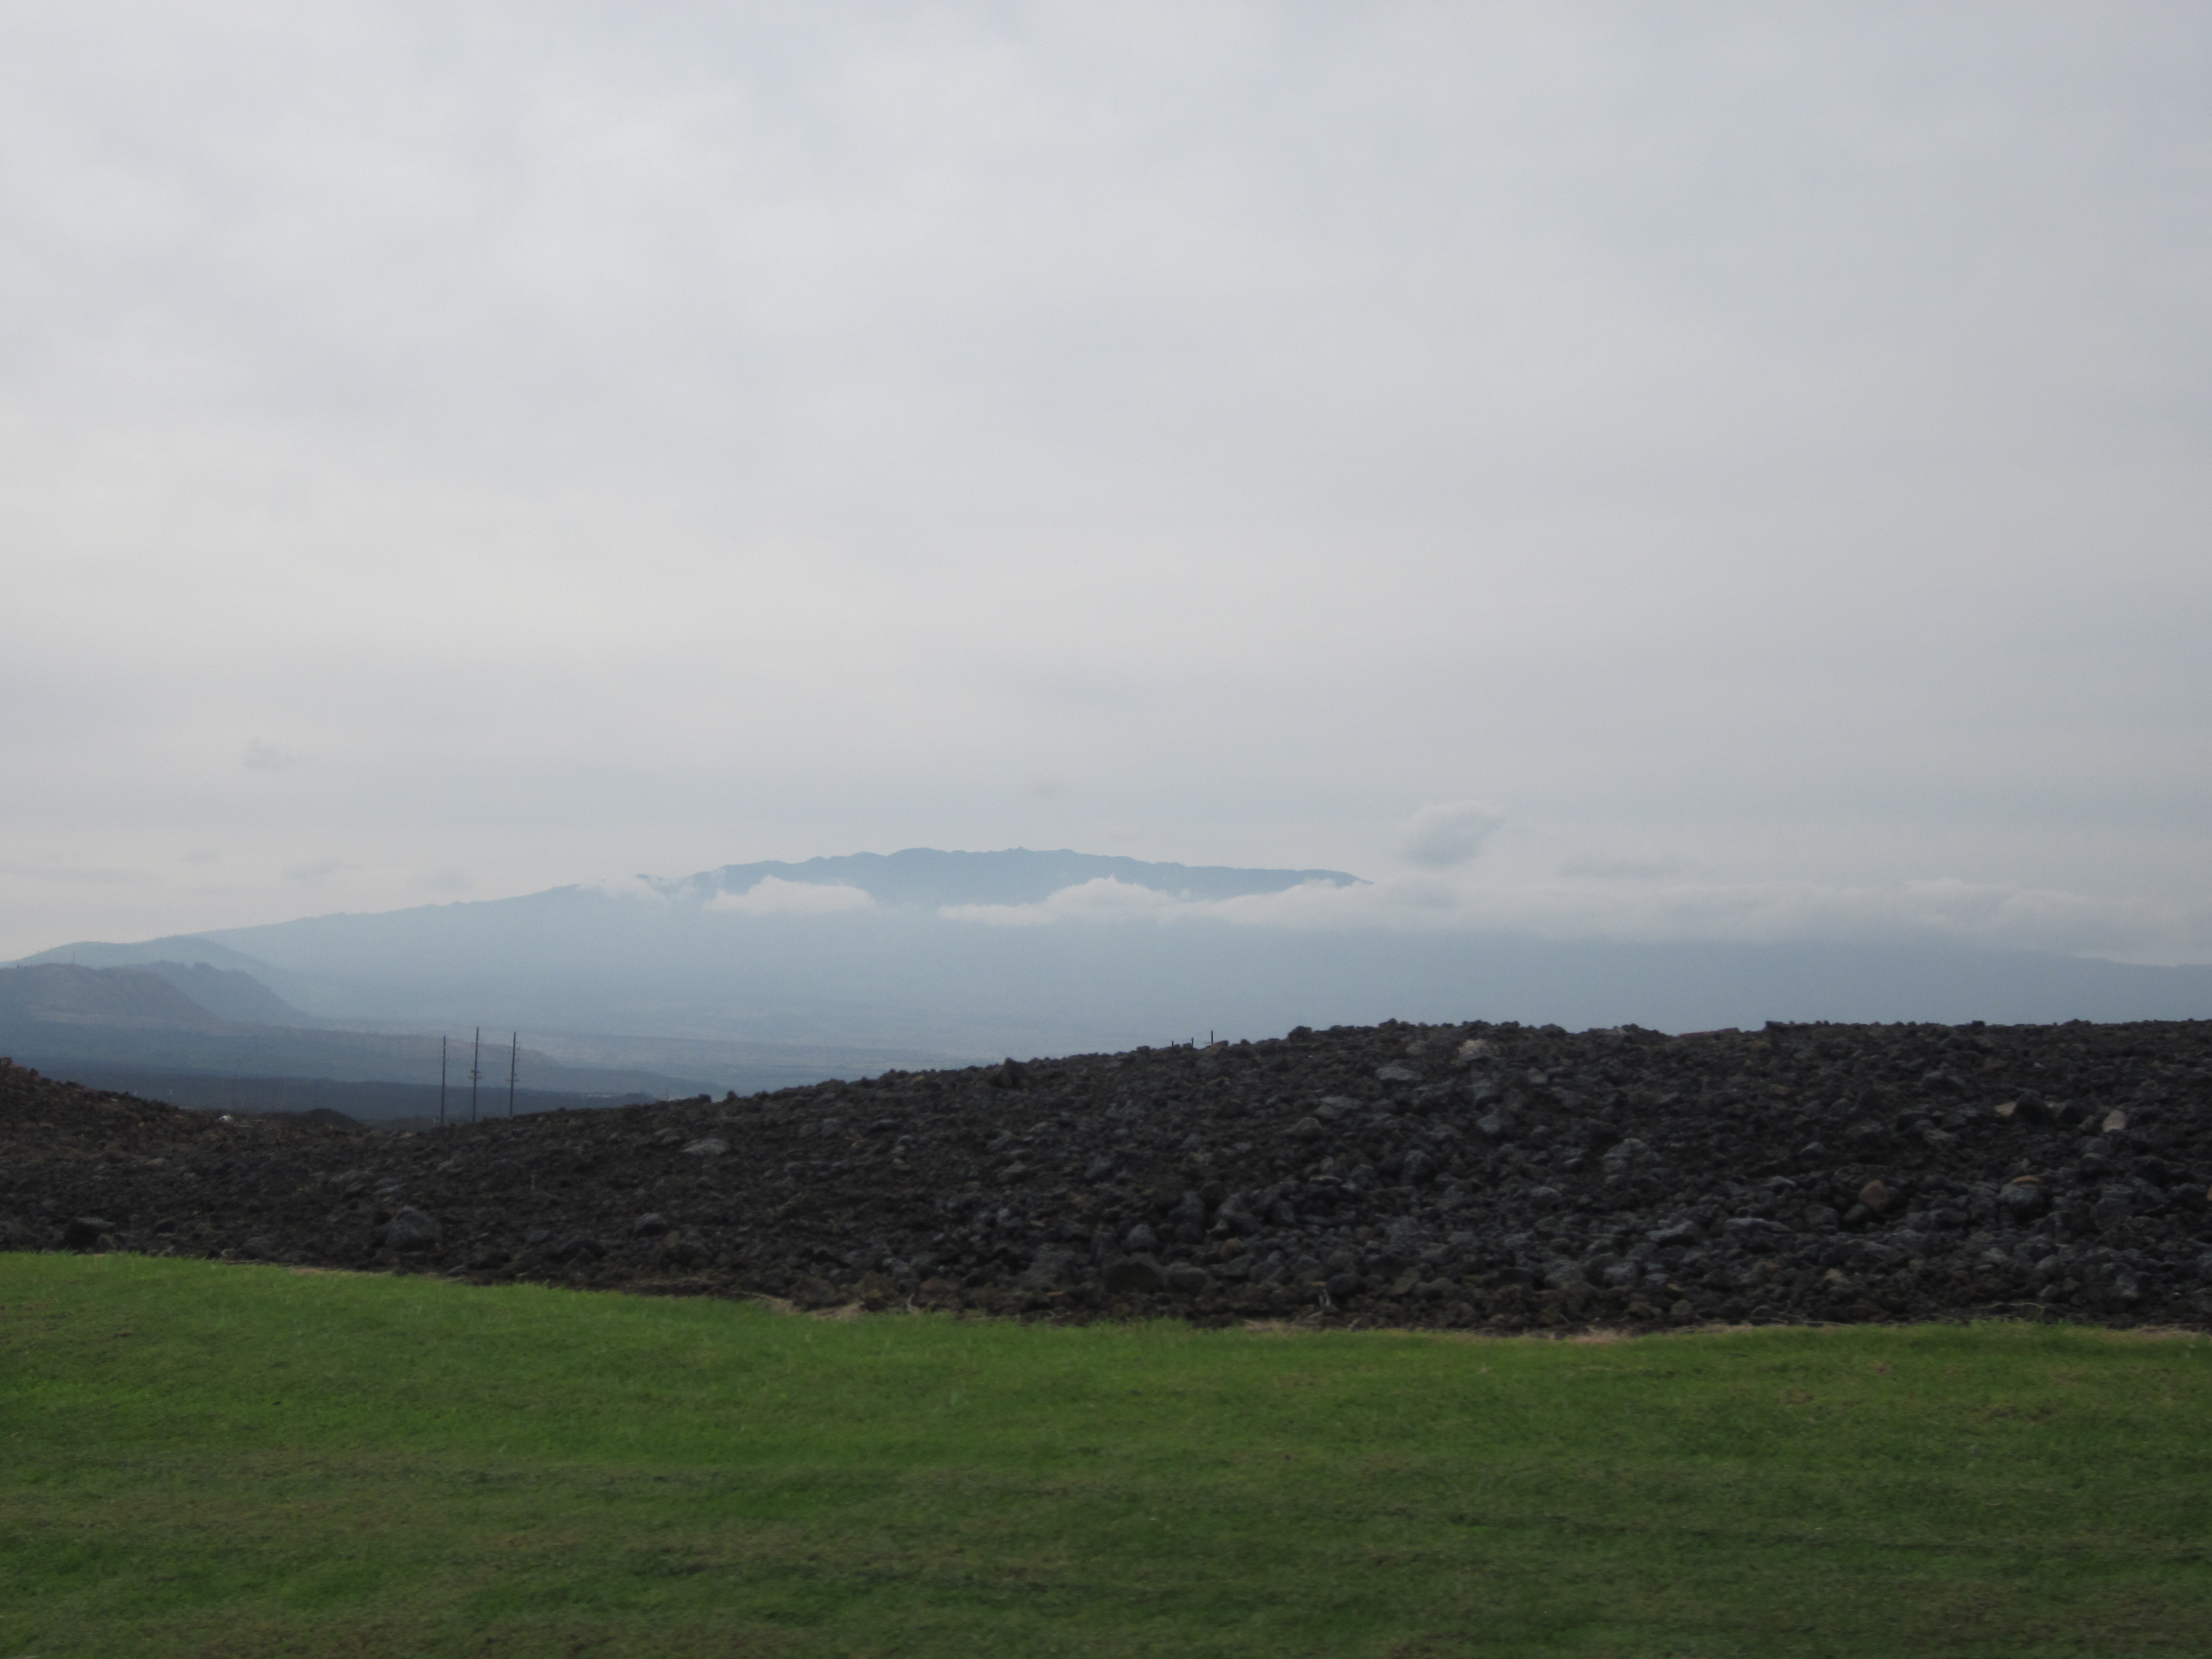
<point x="1479" y="1175"/>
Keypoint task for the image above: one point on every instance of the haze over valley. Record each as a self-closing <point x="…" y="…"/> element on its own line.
<point x="761" y="976"/>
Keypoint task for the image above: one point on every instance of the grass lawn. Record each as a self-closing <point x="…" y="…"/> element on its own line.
<point x="202" y="1460"/>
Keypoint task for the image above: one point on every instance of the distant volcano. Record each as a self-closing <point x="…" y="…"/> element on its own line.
<point x="772" y="973"/>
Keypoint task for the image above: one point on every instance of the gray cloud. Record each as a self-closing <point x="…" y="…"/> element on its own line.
<point x="1947" y="911"/>
<point x="771" y="896"/>
<point x="1767" y="438"/>
<point x="262" y="757"/>
<point x="1447" y="833"/>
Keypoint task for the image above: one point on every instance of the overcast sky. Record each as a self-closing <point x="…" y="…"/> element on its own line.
<point x="1755" y="454"/>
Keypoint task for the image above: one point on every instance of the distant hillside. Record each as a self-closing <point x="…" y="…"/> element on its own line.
<point x="181" y="949"/>
<point x="159" y="996"/>
<point x="127" y="998"/>
<point x="73" y="1020"/>
<point x="229" y="993"/>
<point x="179" y="958"/>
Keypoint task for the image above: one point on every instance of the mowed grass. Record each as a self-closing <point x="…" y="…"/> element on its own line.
<point x="201" y="1459"/>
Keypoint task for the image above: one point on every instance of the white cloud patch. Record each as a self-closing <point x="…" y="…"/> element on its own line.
<point x="1944" y="909"/>
<point x="1103" y="899"/>
<point x="1623" y="869"/>
<point x="1447" y="833"/>
<point x="634" y="890"/>
<point x="771" y="896"/>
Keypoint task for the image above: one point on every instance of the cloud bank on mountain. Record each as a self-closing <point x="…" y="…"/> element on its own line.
<point x="773" y="895"/>
<point x="1947" y="909"/>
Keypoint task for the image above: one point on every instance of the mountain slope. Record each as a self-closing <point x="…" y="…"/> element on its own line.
<point x="129" y="998"/>
<point x="229" y="993"/>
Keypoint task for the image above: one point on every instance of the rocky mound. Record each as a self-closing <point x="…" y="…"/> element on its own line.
<point x="1489" y="1175"/>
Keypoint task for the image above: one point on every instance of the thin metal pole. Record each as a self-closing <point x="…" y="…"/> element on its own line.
<point x="476" y="1073"/>
<point x="513" y="1053"/>
<point x="441" y="1083"/>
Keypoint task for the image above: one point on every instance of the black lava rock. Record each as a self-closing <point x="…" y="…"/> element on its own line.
<point x="1490" y="1175"/>
<point x="409" y="1230"/>
<point x="85" y="1232"/>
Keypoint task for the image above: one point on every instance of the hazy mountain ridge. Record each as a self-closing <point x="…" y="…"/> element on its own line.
<point x="659" y="978"/>
<point x="179" y="958"/>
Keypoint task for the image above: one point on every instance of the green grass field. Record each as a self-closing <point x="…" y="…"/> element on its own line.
<point x="202" y="1460"/>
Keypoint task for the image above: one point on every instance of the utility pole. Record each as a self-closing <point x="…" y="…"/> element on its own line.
<point x="513" y="1053"/>
<point x="441" y="1083"/>
<point x="476" y="1073"/>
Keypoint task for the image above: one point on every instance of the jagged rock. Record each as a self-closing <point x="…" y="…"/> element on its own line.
<point x="1051" y="1266"/>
